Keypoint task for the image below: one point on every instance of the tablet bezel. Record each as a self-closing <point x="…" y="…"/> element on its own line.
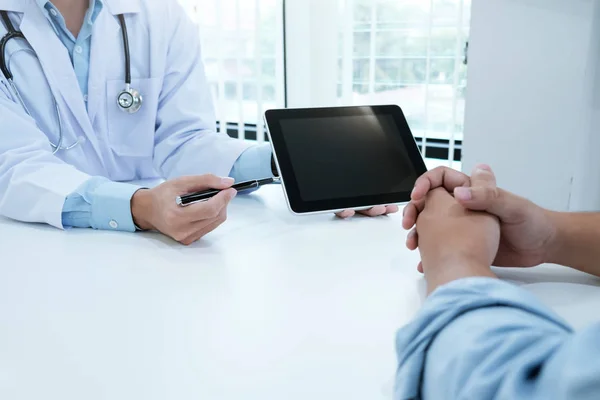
<point x="286" y="170"/>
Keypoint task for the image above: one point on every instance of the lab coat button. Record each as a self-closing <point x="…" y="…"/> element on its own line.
<point x="113" y="224"/>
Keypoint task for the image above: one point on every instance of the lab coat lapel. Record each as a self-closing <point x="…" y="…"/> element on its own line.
<point x="106" y="29"/>
<point x="55" y="61"/>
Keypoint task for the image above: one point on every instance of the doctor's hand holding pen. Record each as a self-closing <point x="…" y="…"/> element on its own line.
<point x="156" y="209"/>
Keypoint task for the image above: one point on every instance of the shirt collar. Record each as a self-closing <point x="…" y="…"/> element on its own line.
<point x="95" y="6"/>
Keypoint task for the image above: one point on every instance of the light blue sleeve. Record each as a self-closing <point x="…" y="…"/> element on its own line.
<point x="253" y="163"/>
<point x="100" y="204"/>
<point x="482" y="338"/>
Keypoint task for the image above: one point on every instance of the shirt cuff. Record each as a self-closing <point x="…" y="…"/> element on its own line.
<point x="111" y="208"/>
<point x="254" y="163"/>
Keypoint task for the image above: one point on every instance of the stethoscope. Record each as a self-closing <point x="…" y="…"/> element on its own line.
<point x="129" y="100"/>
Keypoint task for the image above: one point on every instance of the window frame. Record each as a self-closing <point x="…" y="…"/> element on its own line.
<point x="311" y="36"/>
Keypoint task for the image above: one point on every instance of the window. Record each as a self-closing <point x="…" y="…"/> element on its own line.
<point x="242" y="45"/>
<point x="405" y="52"/>
<point x="410" y="53"/>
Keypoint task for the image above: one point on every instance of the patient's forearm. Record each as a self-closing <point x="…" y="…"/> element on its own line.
<point x="577" y="241"/>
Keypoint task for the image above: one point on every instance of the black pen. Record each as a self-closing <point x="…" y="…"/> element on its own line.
<point x="209" y="194"/>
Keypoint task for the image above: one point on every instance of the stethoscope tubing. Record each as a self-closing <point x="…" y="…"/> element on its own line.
<point x="136" y="97"/>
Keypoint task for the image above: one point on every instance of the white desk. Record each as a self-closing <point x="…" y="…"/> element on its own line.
<point x="271" y="306"/>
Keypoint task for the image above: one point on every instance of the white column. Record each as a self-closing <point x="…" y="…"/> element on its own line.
<point x="238" y="61"/>
<point x="221" y="113"/>
<point x="280" y="59"/>
<point x="312" y="52"/>
<point x="347" y="27"/>
<point x="530" y="110"/>
<point x="455" y="81"/>
<point x="260" y="136"/>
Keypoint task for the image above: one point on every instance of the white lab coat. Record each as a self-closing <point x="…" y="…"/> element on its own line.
<point x="172" y="135"/>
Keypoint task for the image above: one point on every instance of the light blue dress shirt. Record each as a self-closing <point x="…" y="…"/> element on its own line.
<point x="100" y="203"/>
<point x="481" y="338"/>
<point x="79" y="48"/>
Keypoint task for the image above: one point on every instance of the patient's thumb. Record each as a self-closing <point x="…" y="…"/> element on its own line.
<point x="491" y="199"/>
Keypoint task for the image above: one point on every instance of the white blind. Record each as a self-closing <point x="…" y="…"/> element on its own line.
<point x="242" y="45"/>
<point x="410" y="53"/>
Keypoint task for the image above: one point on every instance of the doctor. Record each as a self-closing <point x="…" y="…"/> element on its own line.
<point x="94" y="93"/>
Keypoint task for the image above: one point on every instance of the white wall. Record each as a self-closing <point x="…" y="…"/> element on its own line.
<point x="586" y="183"/>
<point x="533" y="98"/>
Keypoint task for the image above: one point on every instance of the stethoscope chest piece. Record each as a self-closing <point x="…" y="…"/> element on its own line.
<point x="130" y="100"/>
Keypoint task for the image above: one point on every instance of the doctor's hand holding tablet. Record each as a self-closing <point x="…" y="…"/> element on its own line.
<point x="93" y="96"/>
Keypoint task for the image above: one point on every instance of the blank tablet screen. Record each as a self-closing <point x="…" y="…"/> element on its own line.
<point x="344" y="157"/>
<point x="355" y="156"/>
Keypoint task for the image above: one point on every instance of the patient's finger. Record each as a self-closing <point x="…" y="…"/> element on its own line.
<point x="439" y="177"/>
<point x="412" y="240"/>
<point x="410" y="216"/>
<point x="483" y="192"/>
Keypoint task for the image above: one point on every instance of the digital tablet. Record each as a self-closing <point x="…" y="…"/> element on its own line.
<point x="332" y="159"/>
